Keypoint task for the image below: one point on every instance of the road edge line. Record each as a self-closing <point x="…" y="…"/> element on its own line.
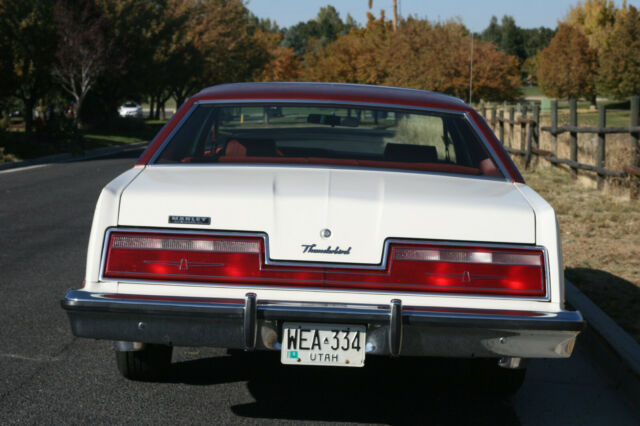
<point x="68" y="157"/>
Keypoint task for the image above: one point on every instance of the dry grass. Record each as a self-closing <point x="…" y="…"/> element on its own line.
<point x="600" y="241"/>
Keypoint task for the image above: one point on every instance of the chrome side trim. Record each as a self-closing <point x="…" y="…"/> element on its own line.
<point x="268" y="261"/>
<point x="152" y="160"/>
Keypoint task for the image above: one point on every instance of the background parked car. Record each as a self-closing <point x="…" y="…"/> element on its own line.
<point x="130" y="109"/>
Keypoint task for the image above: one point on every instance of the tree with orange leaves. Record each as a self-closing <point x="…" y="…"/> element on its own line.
<point x="567" y="68"/>
<point x="283" y="65"/>
<point x="418" y="54"/>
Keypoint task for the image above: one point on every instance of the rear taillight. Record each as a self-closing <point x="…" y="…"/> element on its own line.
<point x="479" y="270"/>
<point x="241" y="260"/>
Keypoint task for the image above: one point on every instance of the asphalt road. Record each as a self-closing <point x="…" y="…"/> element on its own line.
<point x="48" y="376"/>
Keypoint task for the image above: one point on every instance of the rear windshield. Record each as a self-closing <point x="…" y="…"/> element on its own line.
<point x="328" y="135"/>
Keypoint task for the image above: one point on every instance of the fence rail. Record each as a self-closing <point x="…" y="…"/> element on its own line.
<point x="530" y="140"/>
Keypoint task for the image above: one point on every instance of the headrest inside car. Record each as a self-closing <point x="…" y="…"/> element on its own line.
<point x="410" y="153"/>
<point x="250" y="148"/>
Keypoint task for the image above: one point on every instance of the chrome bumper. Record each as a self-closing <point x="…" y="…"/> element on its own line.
<point x="392" y="329"/>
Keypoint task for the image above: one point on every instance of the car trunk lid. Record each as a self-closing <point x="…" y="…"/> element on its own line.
<point x="320" y="214"/>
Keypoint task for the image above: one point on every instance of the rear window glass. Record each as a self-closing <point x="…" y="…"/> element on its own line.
<point x="332" y="136"/>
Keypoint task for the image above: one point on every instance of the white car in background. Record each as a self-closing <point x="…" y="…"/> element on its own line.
<point x="130" y="109"/>
<point x="359" y="221"/>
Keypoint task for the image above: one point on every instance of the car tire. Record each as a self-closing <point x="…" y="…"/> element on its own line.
<point x="490" y="378"/>
<point x="150" y="363"/>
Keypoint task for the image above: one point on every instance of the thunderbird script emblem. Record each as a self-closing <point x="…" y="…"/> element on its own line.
<point x="311" y="248"/>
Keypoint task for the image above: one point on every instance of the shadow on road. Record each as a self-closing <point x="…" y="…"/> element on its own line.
<point x="422" y="391"/>
<point x="618" y="297"/>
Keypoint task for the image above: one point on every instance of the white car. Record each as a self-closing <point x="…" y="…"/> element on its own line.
<point x="359" y="221"/>
<point x="130" y="109"/>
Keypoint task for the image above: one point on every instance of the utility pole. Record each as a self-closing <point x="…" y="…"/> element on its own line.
<point x="395" y="14"/>
<point x="471" y="70"/>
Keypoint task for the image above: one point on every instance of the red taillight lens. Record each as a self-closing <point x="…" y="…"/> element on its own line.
<point x="170" y="257"/>
<point x="240" y="260"/>
<point x="518" y="272"/>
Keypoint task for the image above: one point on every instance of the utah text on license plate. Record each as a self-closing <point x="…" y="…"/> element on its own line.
<point x="323" y="344"/>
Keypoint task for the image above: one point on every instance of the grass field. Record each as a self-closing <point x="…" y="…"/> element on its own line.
<point x="17" y="146"/>
<point x="600" y="241"/>
<point x="617" y="112"/>
<point x="528" y="91"/>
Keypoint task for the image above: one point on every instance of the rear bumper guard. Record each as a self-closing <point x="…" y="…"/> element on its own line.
<point x="392" y="329"/>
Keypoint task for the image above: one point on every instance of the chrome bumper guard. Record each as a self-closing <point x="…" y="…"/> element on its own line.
<point x="392" y="329"/>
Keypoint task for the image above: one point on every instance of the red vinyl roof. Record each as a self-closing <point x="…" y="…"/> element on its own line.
<point x="340" y="92"/>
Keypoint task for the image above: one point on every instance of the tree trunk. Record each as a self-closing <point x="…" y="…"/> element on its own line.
<point x="77" y="111"/>
<point x="179" y="100"/>
<point x="151" y="107"/>
<point x="157" y="114"/>
<point x="161" y="108"/>
<point x="28" y="115"/>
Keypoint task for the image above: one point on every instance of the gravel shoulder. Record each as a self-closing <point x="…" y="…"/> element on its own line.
<point x="600" y="241"/>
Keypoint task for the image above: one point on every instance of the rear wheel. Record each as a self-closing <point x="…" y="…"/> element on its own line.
<point x="150" y="363"/>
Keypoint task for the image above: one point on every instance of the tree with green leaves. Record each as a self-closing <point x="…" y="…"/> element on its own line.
<point x="226" y="41"/>
<point x="516" y="41"/>
<point x="317" y="32"/>
<point x="567" y="68"/>
<point x="132" y="28"/>
<point x="29" y="36"/>
<point x="620" y="57"/>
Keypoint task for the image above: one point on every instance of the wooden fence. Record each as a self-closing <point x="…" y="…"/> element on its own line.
<point x="530" y="140"/>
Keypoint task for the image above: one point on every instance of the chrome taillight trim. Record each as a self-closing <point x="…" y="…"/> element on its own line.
<point x="268" y="261"/>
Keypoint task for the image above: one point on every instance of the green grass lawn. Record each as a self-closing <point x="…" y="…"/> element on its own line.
<point x="617" y="115"/>
<point x="145" y="132"/>
<point x="18" y="146"/>
<point x="528" y="91"/>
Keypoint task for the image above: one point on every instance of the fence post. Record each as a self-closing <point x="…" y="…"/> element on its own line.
<point x="493" y="118"/>
<point x="573" y="136"/>
<point x="523" y="128"/>
<point x="554" y="127"/>
<point x="635" y="148"/>
<point x="484" y="111"/>
<point x="527" y="153"/>
<point x="501" y="126"/>
<point x="602" y="122"/>
<point x="512" y="114"/>
<point x="536" y="133"/>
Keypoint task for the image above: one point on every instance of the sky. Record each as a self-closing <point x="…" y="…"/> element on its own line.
<point x="475" y="14"/>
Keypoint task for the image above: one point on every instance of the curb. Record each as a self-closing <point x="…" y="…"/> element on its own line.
<point x="613" y="348"/>
<point x="67" y="156"/>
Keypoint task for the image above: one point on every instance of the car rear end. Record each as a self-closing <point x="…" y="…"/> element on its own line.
<point x="330" y="230"/>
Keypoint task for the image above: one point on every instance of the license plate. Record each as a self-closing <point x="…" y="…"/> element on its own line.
<point x="323" y="344"/>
